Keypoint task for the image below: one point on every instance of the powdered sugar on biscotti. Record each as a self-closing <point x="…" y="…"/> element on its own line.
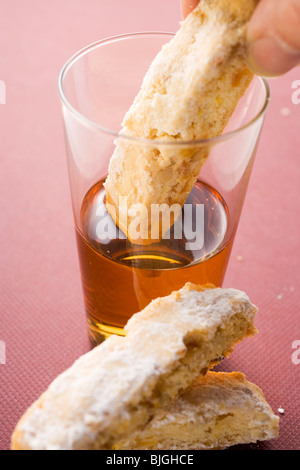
<point x="213" y="305"/>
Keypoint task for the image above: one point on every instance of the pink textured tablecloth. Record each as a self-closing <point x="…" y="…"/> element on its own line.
<point x="42" y="320"/>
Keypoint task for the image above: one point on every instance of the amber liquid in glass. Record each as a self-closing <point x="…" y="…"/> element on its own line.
<point x="120" y="278"/>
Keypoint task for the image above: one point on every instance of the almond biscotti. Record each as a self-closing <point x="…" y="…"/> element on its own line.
<point x="115" y="389"/>
<point x="189" y="93"/>
<point x="218" y="411"/>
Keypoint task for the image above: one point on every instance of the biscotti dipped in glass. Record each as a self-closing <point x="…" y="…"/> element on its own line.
<point x="189" y="93"/>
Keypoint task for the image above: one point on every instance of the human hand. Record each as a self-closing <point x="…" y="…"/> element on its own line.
<point x="273" y="35"/>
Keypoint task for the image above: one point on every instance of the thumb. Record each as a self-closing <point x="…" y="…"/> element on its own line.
<point x="274" y="37"/>
<point x="187" y="6"/>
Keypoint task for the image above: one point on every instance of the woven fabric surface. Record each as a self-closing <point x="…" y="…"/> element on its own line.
<point x="42" y="320"/>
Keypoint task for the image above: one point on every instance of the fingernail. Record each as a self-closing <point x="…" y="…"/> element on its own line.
<point x="270" y="57"/>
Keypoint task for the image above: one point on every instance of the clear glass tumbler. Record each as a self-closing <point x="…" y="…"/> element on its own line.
<point x="120" y="277"/>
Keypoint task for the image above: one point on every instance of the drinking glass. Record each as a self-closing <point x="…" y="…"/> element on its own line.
<point x="120" y="277"/>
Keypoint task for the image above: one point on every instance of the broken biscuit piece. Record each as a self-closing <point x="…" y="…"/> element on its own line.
<point x="219" y="410"/>
<point x="189" y="93"/>
<point x="115" y="389"/>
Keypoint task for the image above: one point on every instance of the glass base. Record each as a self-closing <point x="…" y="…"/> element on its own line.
<point x="99" y="332"/>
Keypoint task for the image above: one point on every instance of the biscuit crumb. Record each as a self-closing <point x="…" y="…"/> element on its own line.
<point x="286" y="112"/>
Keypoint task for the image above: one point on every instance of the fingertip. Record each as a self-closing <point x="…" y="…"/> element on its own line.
<point x="187" y="6"/>
<point x="268" y="57"/>
<point x="273" y="38"/>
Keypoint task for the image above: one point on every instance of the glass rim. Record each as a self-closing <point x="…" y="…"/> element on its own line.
<point x="143" y="140"/>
